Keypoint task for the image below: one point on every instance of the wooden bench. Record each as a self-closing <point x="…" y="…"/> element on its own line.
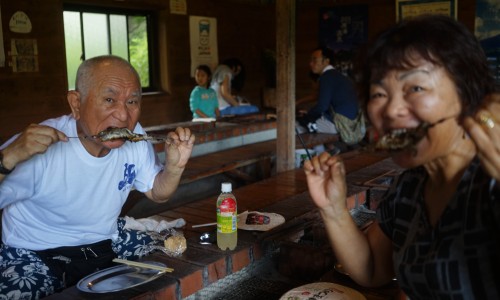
<point x="218" y="134"/>
<point x="200" y="176"/>
<point x="228" y="160"/>
<point x="202" y="265"/>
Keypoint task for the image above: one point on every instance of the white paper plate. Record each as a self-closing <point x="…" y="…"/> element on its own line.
<point x="203" y="120"/>
<point x="273" y="220"/>
<point x="323" y="291"/>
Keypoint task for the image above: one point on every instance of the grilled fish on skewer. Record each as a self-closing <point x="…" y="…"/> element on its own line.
<point x="405" y="138"/>
<point x="111" y="134"/>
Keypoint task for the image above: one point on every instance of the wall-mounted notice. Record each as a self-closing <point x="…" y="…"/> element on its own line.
<point x="411" y="8"/>
<point x="203" y="40"/>
<point x="178" y="7"/>
<point x="20" y="22"/>
<point x="24" y="55"/>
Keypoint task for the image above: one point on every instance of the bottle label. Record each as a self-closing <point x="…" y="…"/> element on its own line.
<point x="227" y="219"/>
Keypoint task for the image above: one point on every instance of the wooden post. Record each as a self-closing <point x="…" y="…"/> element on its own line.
<point x="285" y="84"/>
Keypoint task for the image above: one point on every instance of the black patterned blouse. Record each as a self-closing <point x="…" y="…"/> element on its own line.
<point x="458" y="258"/>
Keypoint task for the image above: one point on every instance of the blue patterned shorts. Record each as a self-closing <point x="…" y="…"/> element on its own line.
<point x="24" y="275"/>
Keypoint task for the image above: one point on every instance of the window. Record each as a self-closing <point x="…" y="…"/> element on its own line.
<point x="90" y="32"/>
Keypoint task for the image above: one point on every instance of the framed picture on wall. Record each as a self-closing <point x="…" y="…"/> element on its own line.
<point x="411" y="8"/>
<point x="343" y="29"/>
<point x="487" y="30"/>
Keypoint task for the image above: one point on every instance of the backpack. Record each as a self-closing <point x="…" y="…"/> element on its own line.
<point x="350" y="131"/>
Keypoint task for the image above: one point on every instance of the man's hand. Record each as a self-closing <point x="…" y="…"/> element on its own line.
<point x="35" y="139"/>
<point x="179" y="148"/>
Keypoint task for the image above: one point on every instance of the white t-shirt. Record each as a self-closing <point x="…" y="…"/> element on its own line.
<point x="67" y="197"/>
<point x="218" y="77"/>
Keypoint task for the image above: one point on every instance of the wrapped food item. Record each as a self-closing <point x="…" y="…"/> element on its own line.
<point x="175" y="244"/>
<point x="169" y="241"/>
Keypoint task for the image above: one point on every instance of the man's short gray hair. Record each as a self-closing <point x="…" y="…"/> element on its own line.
<point x="84" y="74"/>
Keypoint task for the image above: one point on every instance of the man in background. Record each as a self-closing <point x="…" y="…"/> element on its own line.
<point x="336" y="109"/>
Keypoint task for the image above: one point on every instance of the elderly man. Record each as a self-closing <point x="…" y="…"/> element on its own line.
<point x="62" y="189"/>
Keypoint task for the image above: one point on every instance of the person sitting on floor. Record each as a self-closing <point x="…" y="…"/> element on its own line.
<point x="336" y="109"/>
<point x="203" y="100"/>
<point x="229" y="104"/>
<point x="62" y="188"/>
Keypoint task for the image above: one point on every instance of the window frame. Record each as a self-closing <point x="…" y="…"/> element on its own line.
<point x="152" y="34"/>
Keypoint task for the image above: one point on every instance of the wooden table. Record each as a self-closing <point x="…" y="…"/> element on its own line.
<point x="201" y="265"/>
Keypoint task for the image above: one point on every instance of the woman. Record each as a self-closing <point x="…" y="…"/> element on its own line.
<point x="438" y="227"/>
<point x="224" y="75"/>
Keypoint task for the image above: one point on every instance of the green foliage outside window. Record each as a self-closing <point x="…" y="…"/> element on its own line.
<point x="138" y="47"/>
<point x="126" y="35"/>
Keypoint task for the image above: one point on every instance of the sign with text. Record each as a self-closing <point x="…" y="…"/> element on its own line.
<point x="203" y="42"/>
<point x="412" y="8"/>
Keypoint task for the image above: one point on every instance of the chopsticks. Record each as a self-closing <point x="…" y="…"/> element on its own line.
<point x="303" y="144"/>
<point x="213" y="223"/>
<point x="203" y="225"/>
<point x="142" y="265"/>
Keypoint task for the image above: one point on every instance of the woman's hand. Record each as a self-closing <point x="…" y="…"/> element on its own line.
<point x="484" y="130"/>
<point x="327" y="184"/>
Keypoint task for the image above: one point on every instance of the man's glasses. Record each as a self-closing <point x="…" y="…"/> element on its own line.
<point x="316" y="59"/>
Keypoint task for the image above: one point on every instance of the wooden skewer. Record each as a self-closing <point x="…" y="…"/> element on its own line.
<point x="303" y="144"/>
<point x="212" y="224"/>
<point x="203" y="225"/>
<point x="142" y="265"/>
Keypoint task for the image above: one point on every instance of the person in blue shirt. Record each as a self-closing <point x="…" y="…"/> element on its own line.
<point x="336" y="109"/>
<point x="203" y="100"/>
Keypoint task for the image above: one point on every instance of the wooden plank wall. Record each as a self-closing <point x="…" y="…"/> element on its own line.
<point x="32" y="97"/>
<point x="245" y="29"/>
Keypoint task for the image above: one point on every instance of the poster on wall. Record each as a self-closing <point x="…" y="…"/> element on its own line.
<point x="24" y="55"/>
<point x="411" y="8"/>
<point x="343" y="29"/>
<point x="203" y="42"/>
<point x="487" y="30"/>
<point x="178" y="7"/>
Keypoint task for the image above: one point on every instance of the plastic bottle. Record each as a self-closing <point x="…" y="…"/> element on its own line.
<point x="227" y="218"/>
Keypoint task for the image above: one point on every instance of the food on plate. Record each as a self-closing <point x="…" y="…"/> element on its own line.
<point x="257" y="219"/>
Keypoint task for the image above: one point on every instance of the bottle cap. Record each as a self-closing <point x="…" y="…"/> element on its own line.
<point x="226" y="187"/>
